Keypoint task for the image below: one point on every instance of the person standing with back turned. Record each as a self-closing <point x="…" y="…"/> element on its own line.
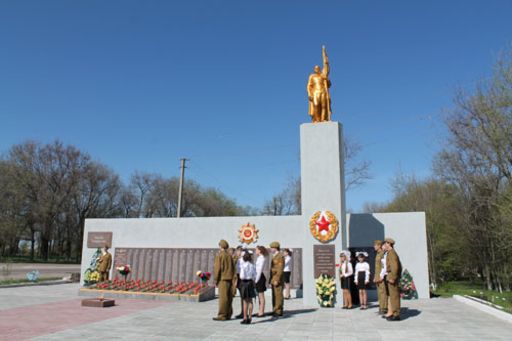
<point x="276" y="279"/>
<point x="224" y="271"/>
<point x="394" y="272"/>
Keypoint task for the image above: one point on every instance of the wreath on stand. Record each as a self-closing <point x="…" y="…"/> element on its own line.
<point x="327" y="228"/>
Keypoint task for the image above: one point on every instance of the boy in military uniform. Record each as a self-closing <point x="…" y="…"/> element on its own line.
<point x="104" y="264"/>
<point x="224" y="272"/>
<point x="277" y="279"/>
<point x="393" y="274"/>
<point x="379" y="282"/>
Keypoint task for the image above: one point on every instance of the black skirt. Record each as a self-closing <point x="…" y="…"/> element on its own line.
<point x="247" y="289"/>
<point x="346" y="282"/>
<point x="287" y="275"/>
<point x="261" y="285"/>
<point x="361" y="276"/>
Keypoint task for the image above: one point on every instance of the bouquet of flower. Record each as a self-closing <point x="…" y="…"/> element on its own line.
<point x="91" y="275"/>
<point x="204" y="276"/>
<point x="407" y="287"/>
<point x="325" y="290"/>
<point x="124" y="270"/>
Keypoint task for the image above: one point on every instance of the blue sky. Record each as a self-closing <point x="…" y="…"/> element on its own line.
<point x="139" y="84"/>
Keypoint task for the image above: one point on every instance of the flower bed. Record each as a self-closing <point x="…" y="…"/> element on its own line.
<point x="151" y="289"/>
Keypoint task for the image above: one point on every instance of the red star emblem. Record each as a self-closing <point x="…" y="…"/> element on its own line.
<point x="323" y="224"/>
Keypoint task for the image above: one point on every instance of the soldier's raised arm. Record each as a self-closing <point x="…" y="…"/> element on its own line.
<point x="326" y="69"/>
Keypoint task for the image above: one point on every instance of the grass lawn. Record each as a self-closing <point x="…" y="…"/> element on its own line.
<point x="473" y="289"/>
<point x="24" y="280"/>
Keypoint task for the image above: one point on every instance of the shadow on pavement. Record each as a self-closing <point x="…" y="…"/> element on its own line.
<point x="406" y="313"/>
<point x="287" y="314"/>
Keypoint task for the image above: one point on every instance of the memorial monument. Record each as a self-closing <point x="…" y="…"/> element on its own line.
<point x="174" y="249"/>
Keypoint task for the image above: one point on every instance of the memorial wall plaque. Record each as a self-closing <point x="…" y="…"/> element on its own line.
<point x="99" y="239"/>
<point x="181" y="265"/>
<point x="121" y="258"/>
<point x="324" y="257"/>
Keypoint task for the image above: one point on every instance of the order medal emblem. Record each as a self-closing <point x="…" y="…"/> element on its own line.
<point x="248" y="234"/>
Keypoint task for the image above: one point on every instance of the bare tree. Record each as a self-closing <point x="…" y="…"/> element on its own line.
<point x="288" y="201"/>
<point x="478" y="160"/>
<point x="357" y="172"/>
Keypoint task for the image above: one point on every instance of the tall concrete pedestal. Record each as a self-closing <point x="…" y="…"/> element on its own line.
<point x="322" y="189"/>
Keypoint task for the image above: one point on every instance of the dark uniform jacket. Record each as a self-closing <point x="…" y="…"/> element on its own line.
<point x="223" y="267"/>
<point x="393" y="266"/>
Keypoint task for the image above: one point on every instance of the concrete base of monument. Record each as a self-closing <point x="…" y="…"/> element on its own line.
<point x="98" y="302"/>
<point x="205" y="295"/>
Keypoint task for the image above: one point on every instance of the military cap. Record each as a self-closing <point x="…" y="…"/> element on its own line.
<point x="390" y="241"/>
<point x="377" y="242"/>
<point x="275" y="245"/>
<point x="223" y="244"/>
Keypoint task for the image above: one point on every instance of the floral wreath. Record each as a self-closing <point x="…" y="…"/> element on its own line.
<point x="330" y="226"/>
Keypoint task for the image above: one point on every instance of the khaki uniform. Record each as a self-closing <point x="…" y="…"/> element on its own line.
<point x="381" y="286"/>
<point x="104" y="266"/>
<point x="394" y="270"/>
<point x="224" y="272"/>
<point x="235" y="277"/>
<point x="277" y="275"/>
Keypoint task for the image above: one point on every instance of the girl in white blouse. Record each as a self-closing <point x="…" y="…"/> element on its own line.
<point x="247" y="279"/>
<point x="288" y="265"/>
<point x="261" y="280"/>
<point x="362" y="278"/>
<point x="346" y="274"/>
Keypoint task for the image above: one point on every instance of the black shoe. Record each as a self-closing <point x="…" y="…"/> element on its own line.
<point x="239" y="316"/>
<point x="393" y="318"/>
<point x="248" y="321"/>
<point x="243" y="322"/>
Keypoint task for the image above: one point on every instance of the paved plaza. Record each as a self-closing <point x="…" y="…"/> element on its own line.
<point x="54" y="313"/>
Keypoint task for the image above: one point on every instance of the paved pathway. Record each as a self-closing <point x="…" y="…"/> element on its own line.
<point x="19" y="270"/>
<point x="437" y="319"/>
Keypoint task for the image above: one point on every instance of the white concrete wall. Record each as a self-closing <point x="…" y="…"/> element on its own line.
<point x="191" y="232"/>
<point x="408" y="229"/>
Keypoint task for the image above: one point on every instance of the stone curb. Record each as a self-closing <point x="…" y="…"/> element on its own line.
<point x="35" y="284"/>
<point x="485" y="308"/>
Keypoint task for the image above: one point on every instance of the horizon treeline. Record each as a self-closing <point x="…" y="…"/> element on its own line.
<point x="48" y="190"/>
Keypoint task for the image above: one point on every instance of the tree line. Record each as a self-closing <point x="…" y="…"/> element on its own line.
<point x="48" y="190"/>
<point x="468" y="199"/>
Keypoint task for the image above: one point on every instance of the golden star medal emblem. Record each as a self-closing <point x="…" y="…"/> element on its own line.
<point x="248" y="233"/>
<point x="324" y="226"/>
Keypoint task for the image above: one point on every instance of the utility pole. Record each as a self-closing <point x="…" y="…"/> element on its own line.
<point x="182" y="180"/>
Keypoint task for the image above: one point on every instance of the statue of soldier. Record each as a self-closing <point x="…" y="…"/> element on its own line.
<point x="318" y="92"/>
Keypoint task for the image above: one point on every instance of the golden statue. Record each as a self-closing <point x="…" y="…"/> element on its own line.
<point x="318" y="92"/>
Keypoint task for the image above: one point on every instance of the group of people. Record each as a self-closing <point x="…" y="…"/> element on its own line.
<point x="234" y="270"/>
<point x="388" y="270"/>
